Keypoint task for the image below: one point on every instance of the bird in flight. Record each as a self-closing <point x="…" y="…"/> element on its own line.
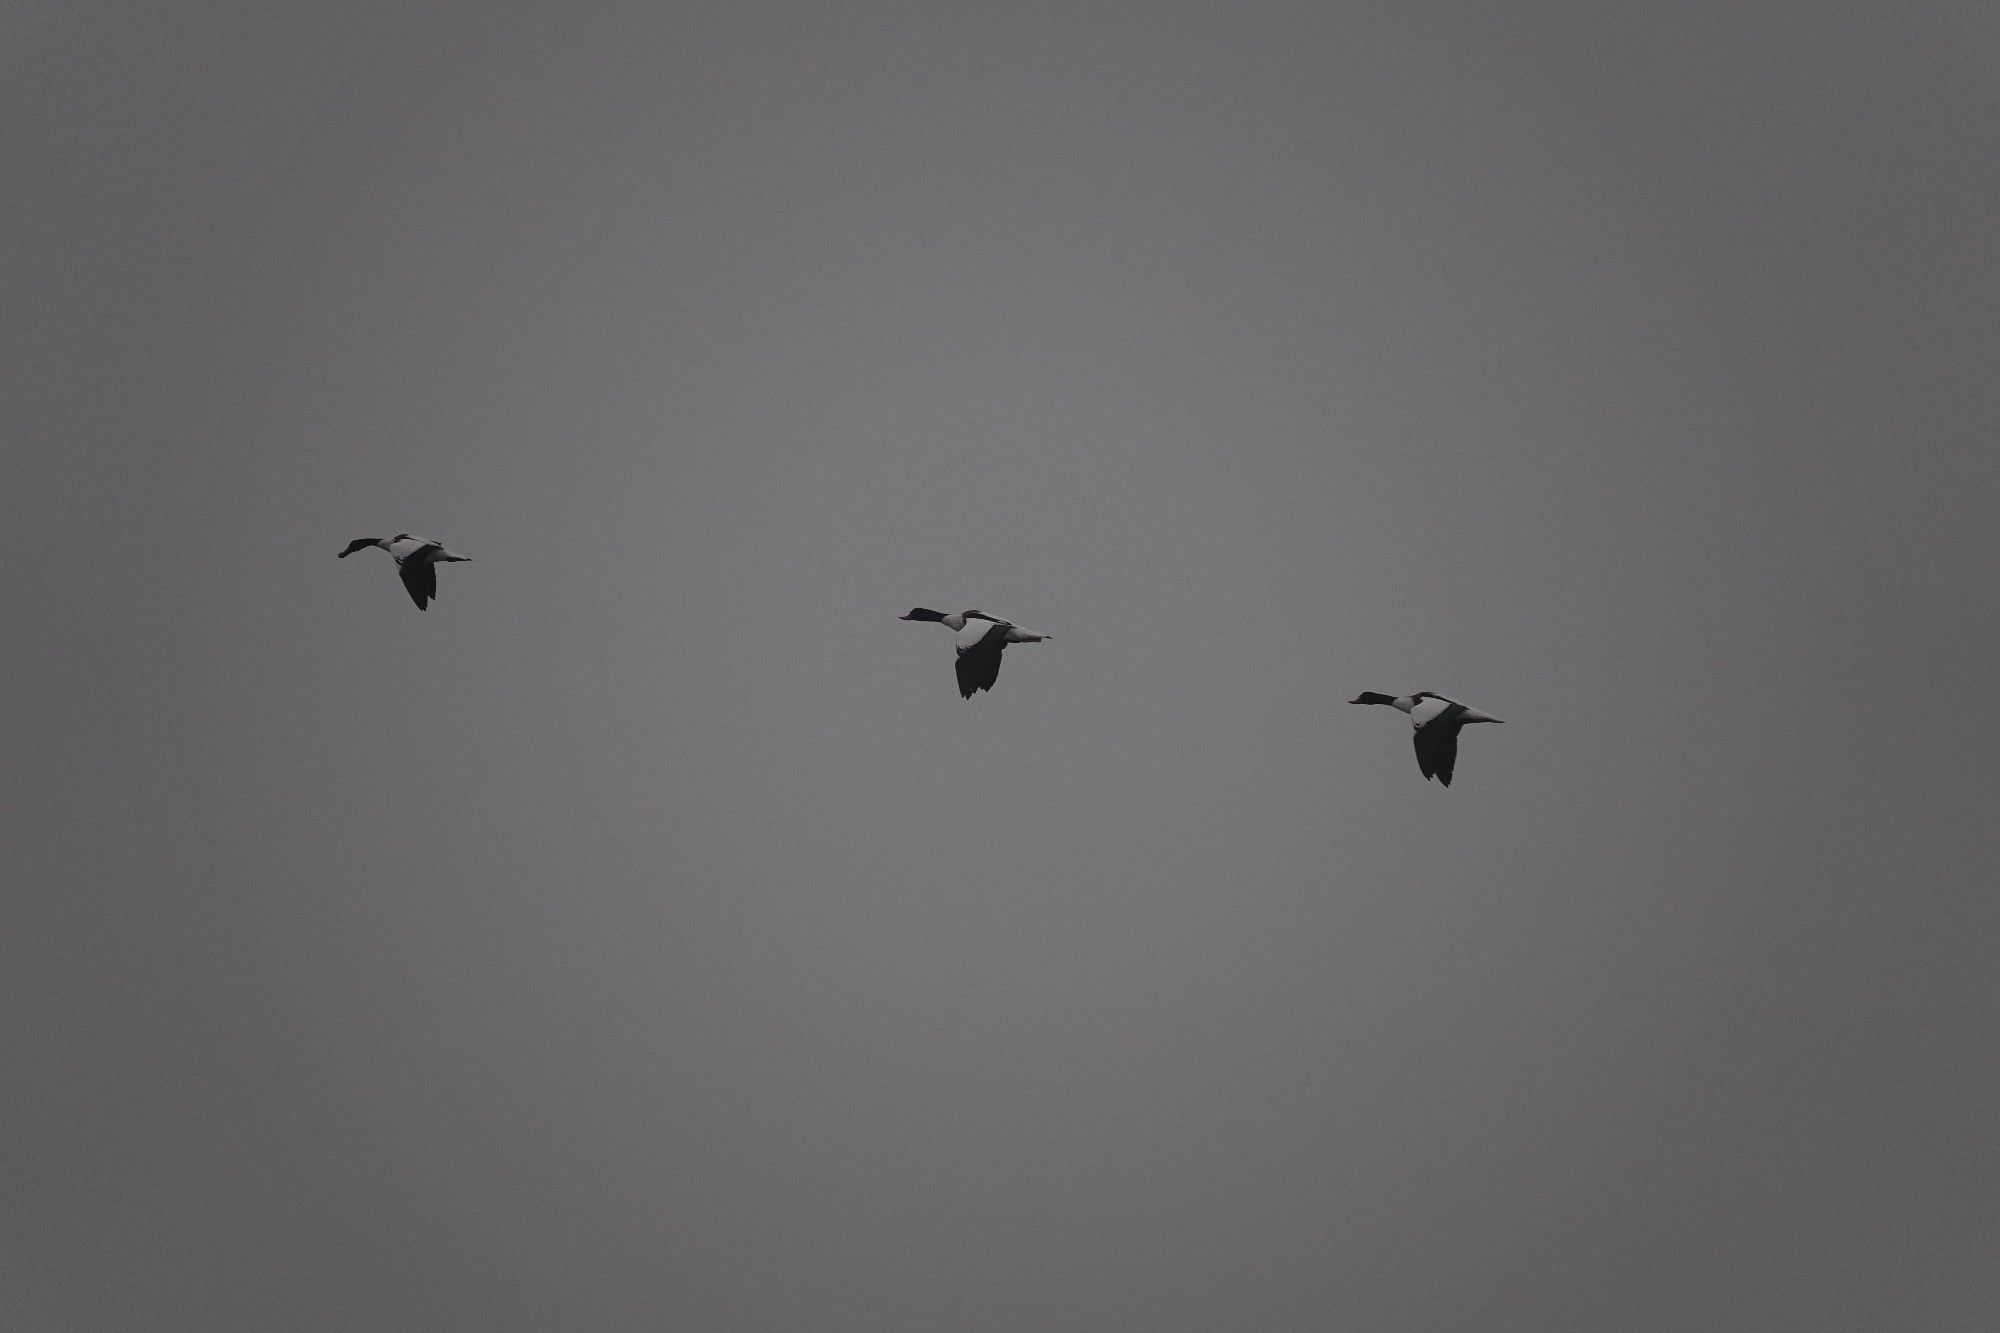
<point x="417" y="559"/>
<point x="1437" y="721"/>
<point x="980" y="639"/>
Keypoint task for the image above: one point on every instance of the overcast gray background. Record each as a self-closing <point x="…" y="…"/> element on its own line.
<point x="648" y="936"/>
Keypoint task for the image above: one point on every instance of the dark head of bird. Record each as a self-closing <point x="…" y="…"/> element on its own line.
<point x="1370" y="697"/>
<point x="922" y="613"/>
<point x="358" y="544"/>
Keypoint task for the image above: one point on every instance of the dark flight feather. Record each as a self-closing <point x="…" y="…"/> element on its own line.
<point x="1437" y="743"/>
<point x="420" y="577"/>
<point x="979" y="666"/>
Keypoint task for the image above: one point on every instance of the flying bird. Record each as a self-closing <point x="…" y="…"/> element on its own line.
<point x="1437" y="721"/>
<point x="416" y="560"/>
<point x="980" y="641"/>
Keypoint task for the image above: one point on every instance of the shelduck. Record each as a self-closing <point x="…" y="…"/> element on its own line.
<point x="980" y="639"/>
<point x="1437" y="721"/>
<point x="417" y="559"/>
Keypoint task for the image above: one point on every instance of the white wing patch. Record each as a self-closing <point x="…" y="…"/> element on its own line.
<point x="974" y="631"/>
<point x="1426" y="709"/>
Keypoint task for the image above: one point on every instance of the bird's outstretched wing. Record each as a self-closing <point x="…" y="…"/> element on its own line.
<point x="1431" y="706"/>
<point x="979" y="664"/>
<point x="1437" y="750"/>
<point x="420" y="576"/>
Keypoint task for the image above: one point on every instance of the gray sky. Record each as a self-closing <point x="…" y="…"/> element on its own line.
<point x="649" y="937"/>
